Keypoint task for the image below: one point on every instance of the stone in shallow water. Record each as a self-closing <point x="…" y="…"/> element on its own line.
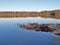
<point x="41" y="27"/>
<point x="56" y="34"/>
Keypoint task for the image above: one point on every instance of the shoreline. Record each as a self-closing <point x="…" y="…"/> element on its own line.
<point x="44" y="14"/>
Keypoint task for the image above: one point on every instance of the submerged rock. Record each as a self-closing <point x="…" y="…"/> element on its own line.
<point x="41" y="27"/>
<point x="56" y="34"/>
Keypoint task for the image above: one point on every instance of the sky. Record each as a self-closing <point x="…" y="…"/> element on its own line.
<point x="29" y="5"/>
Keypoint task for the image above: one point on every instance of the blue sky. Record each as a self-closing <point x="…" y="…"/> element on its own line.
<point x="29" y="5"/>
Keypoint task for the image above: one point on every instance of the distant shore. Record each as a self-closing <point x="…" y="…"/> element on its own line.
<point x="45" y="14"/>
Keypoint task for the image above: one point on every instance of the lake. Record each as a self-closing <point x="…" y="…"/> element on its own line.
<point x="12" y="34"/>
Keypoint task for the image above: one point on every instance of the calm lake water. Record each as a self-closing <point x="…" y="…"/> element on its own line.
<point x="12" y="34"/>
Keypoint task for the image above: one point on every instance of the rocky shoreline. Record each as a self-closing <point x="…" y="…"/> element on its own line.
<point x="41" y="27"/>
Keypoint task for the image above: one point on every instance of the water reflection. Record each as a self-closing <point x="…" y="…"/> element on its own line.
<point x="11" y="34"/>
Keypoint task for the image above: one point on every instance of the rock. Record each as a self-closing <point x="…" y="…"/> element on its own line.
<point x="53" y="27"/>
<point x="41" y="27"/>
<point x="44" y="27"/>
<point x="28" y="26"/>
<point x="58" y="26"/>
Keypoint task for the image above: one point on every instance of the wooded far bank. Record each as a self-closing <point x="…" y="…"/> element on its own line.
<point x="45" y="14"/>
